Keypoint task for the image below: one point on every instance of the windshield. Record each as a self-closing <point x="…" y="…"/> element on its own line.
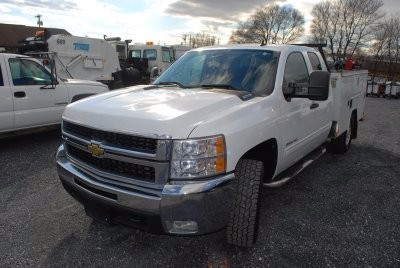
<point x="238" y="69"/>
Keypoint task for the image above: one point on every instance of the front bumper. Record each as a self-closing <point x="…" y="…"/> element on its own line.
<point x="206" y="203"/>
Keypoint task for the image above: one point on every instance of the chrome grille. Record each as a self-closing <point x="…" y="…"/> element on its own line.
<point x="116" y="167"/>
<point x="129" y="142"/>
<point x="124" y="158"/>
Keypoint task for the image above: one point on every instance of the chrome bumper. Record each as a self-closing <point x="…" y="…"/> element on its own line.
<point x="207" y="202"/>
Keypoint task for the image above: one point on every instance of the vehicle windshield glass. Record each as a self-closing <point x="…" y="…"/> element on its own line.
<point x="239" y="69"/>
<point x="166" y="54"/>
<point x="150" y="54"/>
<point x="137" y="53"/>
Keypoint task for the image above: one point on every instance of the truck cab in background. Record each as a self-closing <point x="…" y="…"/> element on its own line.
<point x="179" y="50"/>
<point x="159" y="57"/>
<point x="32" y="96"/>
<point x="121" y="47"/>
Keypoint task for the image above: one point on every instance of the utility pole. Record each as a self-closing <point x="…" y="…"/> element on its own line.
<point x="39" y="22"/>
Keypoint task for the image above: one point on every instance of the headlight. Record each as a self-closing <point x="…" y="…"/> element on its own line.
<point x="196" y="158"/>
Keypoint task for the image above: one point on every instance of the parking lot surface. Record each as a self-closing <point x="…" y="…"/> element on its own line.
<point x="343" y="210"/>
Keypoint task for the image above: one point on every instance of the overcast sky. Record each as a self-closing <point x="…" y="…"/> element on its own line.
<point x="160" y="21"/>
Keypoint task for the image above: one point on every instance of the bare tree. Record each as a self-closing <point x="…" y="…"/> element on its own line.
<point x="379" y="45"/>
<point x="394" y="46"/>
<point x="199" y="39"/>
<point x="345" y="24"/>
<point x="386" y="46"/>
<point x="270" y="24"/>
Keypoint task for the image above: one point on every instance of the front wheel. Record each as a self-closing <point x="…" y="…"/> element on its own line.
<point x="242" y="227"/>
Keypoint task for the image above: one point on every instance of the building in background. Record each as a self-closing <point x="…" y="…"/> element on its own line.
<point x="13" y="36"/>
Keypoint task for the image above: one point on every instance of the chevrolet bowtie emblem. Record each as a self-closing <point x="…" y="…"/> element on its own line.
<point x="95" y="150"/>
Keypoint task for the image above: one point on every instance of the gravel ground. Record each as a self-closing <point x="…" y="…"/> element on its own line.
<point x="343" y="210"/>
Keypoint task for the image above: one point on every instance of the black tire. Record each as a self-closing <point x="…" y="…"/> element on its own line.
<point x="242" y="227"/>
<point x="342" y="143"/>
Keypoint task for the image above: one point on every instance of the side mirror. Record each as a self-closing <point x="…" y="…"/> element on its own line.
<point x="318" y="86"/>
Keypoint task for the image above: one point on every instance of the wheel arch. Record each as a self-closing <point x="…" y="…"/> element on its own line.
<point x="266" y="152"/>
<point x="80" y="96"/>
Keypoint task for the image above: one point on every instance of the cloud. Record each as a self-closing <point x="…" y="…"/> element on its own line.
<point x="214" y="26"/>
<point x="60" y="4"/>
<point x="215" y="17"/>
<point x="161" y="21"/>
<point x="391" y="7"/>
<point x="220" y="10"/>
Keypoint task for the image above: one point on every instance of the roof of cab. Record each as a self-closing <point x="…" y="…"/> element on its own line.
<point x="10" y="55"/>
<point x="278" y="48"/>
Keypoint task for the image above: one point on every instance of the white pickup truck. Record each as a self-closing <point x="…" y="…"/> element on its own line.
<point x="31" y="96"/>
<point x="189" y="154"/>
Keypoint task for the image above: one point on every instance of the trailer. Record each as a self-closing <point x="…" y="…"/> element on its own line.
<point x="375" y="89"/>
<point x="392" y="90"/>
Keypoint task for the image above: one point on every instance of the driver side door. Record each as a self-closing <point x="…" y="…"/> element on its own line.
<point x="32" y="93"/>
<point x="297" y="119"/>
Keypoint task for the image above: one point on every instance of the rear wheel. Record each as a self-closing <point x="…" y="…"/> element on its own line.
<point x="342" y="143"/>
<point x="243" y="223"/>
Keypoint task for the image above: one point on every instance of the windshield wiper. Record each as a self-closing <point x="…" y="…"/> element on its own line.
<point x="172" y="83"/>
<point x="224" y="86"/>
<point x="243" y="94"/>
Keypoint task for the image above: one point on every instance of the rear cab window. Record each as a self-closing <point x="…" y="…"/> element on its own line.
<point x="314" y="60"/>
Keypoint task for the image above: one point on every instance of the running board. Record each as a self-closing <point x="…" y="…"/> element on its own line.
<point x="290" y="173"/>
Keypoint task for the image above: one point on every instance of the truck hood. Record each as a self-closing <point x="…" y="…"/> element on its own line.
<point x="165" y="112"/>
<point x="83" y="82"/>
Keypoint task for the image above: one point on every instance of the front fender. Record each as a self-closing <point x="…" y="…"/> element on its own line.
<point x="244" y="127"/>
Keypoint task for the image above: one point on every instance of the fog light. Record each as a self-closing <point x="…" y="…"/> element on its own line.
<point x="182" y="227"/>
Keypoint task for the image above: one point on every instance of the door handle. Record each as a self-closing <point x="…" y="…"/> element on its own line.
<point x="19" y="94"/>
<point x="314" y="105"/>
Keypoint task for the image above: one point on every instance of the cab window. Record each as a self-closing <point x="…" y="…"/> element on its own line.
<point x="296" y="74"/>
<point x="166" y="55"/>
<point x="315" y="63"/>
<point x="27" y="72"/>
<point x="150" y="54"/>
<point x="136" y="53"/>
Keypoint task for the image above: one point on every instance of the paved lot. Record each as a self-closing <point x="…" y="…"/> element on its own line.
<point x="341" y="211"/>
